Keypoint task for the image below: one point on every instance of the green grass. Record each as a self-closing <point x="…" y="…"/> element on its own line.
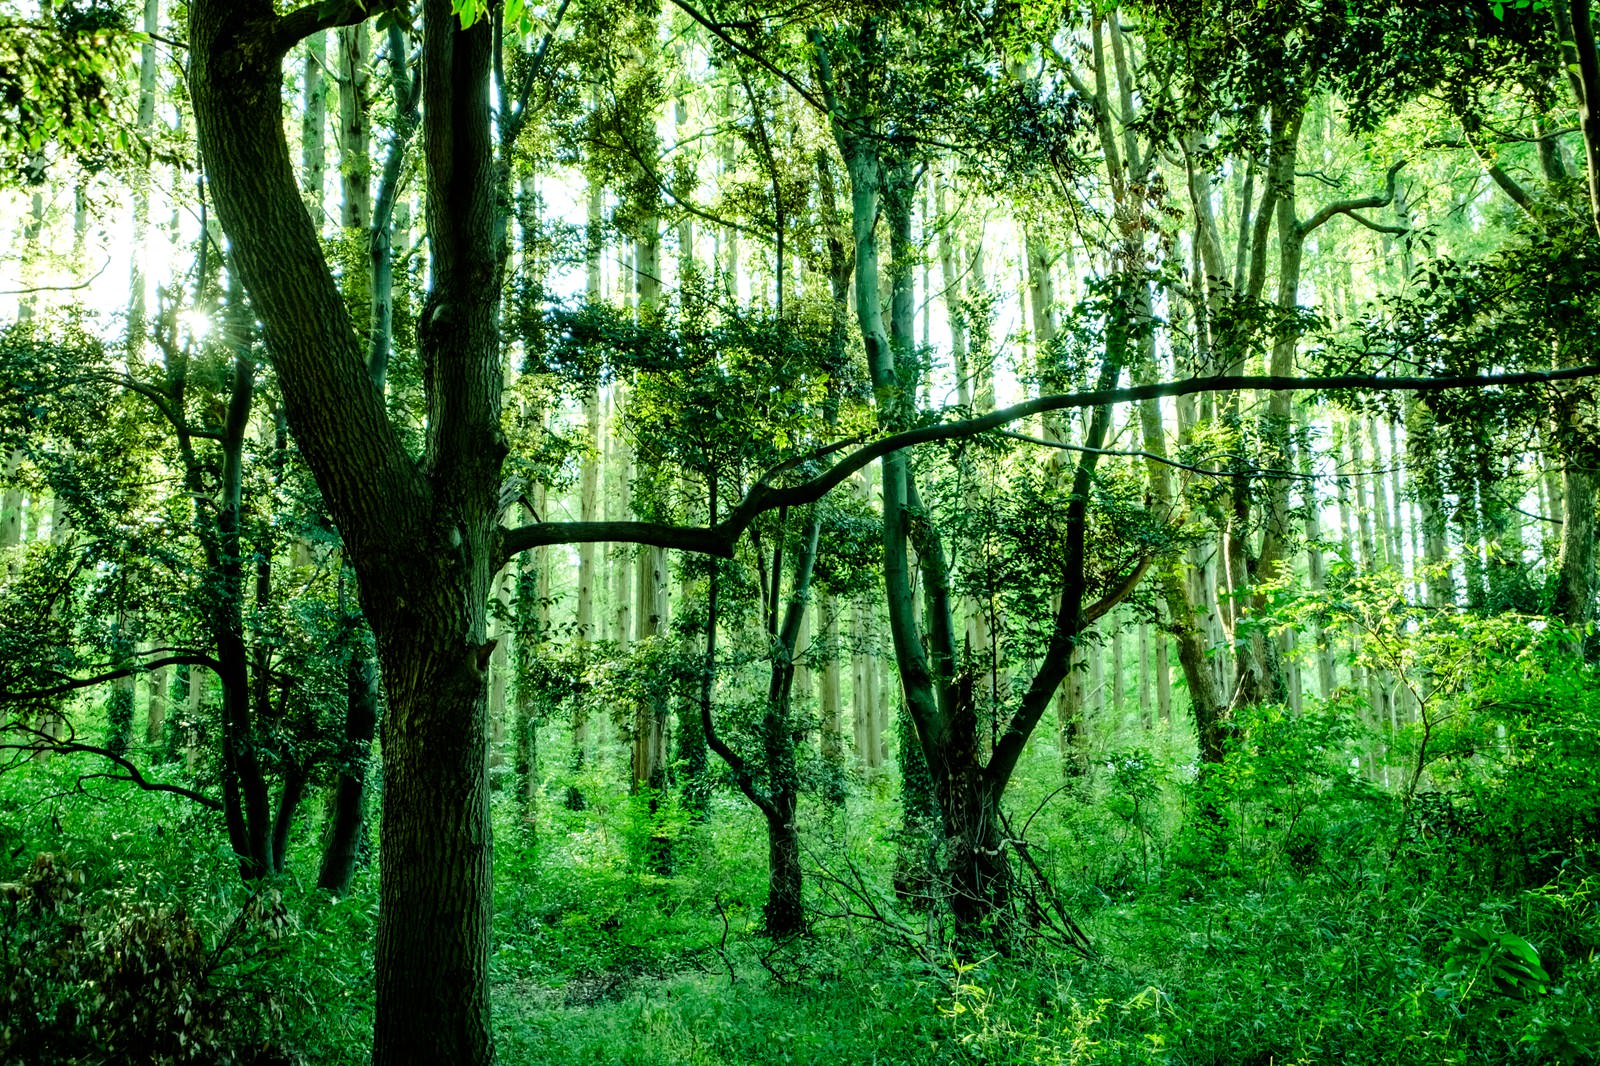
<point x="1312" y="942"/>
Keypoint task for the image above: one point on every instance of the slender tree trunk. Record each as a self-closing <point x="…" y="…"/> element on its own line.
<point x="314" y="126"/>
<point x="348" y="826"/>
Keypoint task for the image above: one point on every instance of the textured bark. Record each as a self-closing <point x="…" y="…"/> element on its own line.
<point x="1163" y="679"/>
<point x="355" y="131"/>
<point x="421" y="537"/>
<point x="830" y="704"/>
<point x="155" y="717"/>
<point x="1143" y="679"/>
<point x="137" y="282"/>
<point x="11" y="502"/>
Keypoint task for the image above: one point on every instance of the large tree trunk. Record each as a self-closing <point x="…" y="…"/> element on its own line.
<point x="422" y="537"/>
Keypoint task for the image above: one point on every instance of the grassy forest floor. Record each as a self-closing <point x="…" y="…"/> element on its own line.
<point x="1308" y="917"/>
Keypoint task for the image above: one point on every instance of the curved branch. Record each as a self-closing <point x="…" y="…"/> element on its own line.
<point x="302" y="22"/>
<point x="133" y="775"/>
<point x="1349" y="207"/>
<point x="719" y="539"/>
<point x="76" y="683"/>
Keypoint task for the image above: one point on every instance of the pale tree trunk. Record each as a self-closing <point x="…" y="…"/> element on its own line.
<point x="1071" y="736"/>
<point x="137" y="283"/>
<point x="863" y="702"/>
<point x="1383" y="527"/>
<point x="314" y="126"/>
<point x="1163" y="679"/>
<point x="533" y="594"/>
<point x="500" y="662"/>
<point x="160" y="683"/>
<point x="650" y="713"/>
<point x="193" y="703"/>
<point x="1397" y="504"/>
<point x="1580" y="478"/>
<point x="11" y="502"/>
<point x="355" y="131"/>
<point x="588" y="578"/>
<point x="1314" y="561"/>
<point x="830" y="704"/>
<point x="620" y="466"/>
<point x="1145" y="721"/>
<point x="1435" y="528"/>
<point x="1117" y="693"/>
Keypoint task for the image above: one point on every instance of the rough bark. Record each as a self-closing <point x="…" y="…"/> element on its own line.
<point x="422" y="537"/>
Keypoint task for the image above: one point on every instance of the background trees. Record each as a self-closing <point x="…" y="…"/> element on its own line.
<point x="510" y="387"/>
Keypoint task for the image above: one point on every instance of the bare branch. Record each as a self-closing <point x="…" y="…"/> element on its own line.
<point x="59" y="288"/>
<point x="43" y="742"/>
<point x="720" y="539"/>
<point x="76" y="683"/>
<point x="1348" y="207"/>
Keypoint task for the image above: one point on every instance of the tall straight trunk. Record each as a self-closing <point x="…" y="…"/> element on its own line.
<point x="533" y="594"/>
<point x="830" y="704"/>
<point x="314" y="126"/>
<point x="1359" y="498"/>
<point x="1072" y="736"/>
<point x="620" y="466"/>
<point x="1397" y="506"/>
<point x="155" y="715"/>
<point x="588" y="577"/>
<point x="137" y="283"/>
<point x="589" y="497"/>
<point x="1312" y="508"/>
<point x="650" y="713"/>
<point x="1117" y="695"/>
<point x="1143" y="680"/>
<point x="11" y="502"/>
<point x="1575" y="579"/>
<point x="1163" y="679"/>
<point x="500" y="627"/>
<point x="347" y="829"/>
<point x="864" y="691"/>
<point x="355" y="130"/>
<point x="1430" y="501"/>
<point x="1382" y="522"/>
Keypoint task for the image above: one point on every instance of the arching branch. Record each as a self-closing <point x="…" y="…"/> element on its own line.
<point x="42" y="742"/>
<point x="720" y="539"/>
<point x="73" y="684"/>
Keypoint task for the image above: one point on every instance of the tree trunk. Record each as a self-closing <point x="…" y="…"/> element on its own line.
<point x="422" y="536"/>
<point x="784" y="913"/>
<point x="347" y="832"/>
<point x="314" y="127"/>
<point x="830" y="705"/>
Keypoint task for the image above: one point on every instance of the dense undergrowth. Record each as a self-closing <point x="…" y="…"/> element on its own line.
<point x="1285" y="908"/>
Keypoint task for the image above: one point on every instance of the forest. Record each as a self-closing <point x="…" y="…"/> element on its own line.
<point x="729" y="532"/>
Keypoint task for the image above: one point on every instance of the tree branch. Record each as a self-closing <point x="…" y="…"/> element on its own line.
<point x="1348" y="207"/>
<point x="719" y="539"/>
<point x="76" y="683"/>
<point x="289" y="30"/>
<point x="133" y="775"/>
